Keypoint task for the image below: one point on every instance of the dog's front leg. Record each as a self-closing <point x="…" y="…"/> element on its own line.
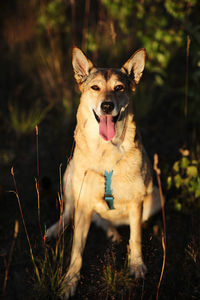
<point x="137" y="267"/>
<point x="81" y="227"/>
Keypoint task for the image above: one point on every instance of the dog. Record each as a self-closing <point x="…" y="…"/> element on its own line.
<point x="109" y="178"/>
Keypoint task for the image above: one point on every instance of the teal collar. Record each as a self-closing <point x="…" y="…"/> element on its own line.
<point x="108" y="191"/>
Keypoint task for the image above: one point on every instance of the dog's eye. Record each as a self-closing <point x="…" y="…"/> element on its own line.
<point x="95" y="87"/>
<point x="119" y="87"/>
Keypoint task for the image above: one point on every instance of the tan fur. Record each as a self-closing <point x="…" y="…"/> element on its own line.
<point x="135" y="197"/>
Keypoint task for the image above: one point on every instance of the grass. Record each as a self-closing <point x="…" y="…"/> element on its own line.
<point x="48" y="273"/>
<point x="47" y="269"/>
<point x="50" y="266"/>
<point x="23" y="121"/>
<point x="116" y="282"/>
<point x="113" y="281"/>
<point x="158" y="173"/>
<point x="49" y="263"/>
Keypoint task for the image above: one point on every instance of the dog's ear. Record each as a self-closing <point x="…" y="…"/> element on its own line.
<point x="135" y="66"/>
<point x="81" y="65"/>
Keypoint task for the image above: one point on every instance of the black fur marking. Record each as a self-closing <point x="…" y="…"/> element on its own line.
<point x="107" y="74"/>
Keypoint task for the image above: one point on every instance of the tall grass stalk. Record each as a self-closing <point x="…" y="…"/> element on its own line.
<point x="68" y="164"/>
<point x="186" y="91"/>
<point x="37" y="152"/>
<point x="16" y="231"/>
<point x="48" y="270"/>
<point x="37" y="180"/>
<point x="61" y="202"/>
<point x="187" y="76"/>
<point x="24" y="224"/>
<point x="51" y="264"/>
<point x="158" y="173"/>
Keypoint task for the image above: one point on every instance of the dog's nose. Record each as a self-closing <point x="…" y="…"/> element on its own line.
<point x="107" y="107"/>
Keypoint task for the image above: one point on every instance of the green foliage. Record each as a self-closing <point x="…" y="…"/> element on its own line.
<point x="50" y="266"/>
<point x="115" y="283"/>
<point x="52" y="15"/>
<point x="185" y="181"/>
<point x="192" y="264"/>
<point x="179" y="9"/>
<point x="39" y="37"/>
<point x="23" y="121"/>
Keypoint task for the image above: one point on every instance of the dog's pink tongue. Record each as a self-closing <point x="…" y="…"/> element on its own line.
<point x="107" y="127"/>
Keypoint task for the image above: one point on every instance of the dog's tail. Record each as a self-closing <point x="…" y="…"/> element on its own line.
<point x="152" y="204"/>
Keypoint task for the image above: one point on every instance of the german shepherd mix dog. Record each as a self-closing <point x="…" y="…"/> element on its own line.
<point x="109" y="178"/>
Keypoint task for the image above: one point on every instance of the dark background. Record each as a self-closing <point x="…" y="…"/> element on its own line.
<point x="37" y="88"/>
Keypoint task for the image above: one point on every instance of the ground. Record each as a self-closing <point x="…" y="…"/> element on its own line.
<point x="181" y="274"/>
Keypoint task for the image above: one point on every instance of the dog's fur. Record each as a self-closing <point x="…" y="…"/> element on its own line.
<point x="106" y="139"/>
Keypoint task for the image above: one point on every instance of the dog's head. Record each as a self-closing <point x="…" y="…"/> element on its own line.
<point x="106" y="92"/>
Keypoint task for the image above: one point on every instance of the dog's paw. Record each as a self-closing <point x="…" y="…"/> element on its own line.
<point x="69" y="285"/>
<point x="139" y="270"/>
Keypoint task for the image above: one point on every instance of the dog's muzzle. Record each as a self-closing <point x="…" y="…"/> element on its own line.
<point x="107" y="121"/>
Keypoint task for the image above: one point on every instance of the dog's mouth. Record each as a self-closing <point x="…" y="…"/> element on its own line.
<point x="107" y="125"/>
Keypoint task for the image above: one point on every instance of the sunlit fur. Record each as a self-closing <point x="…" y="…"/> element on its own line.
<point x="135" y="197"/>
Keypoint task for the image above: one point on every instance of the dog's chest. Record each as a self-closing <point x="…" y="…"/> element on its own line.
<point x="124" y="185"/>
<point x="106" y="157"/>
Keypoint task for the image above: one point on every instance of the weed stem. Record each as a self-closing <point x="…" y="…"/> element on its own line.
<point x="24" y="224"/>
<point x="16" y="231"/>
<point x="158" y="172"/>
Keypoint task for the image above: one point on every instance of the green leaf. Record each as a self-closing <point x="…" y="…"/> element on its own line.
<point x="176" y="167"/>
<point x="177" y="205"/>
<point x="184" y="162"/>
<point x="192" y="171"/>
<point x="197" y="191"/>
<point x="186" y="181"/>
<point x="169" y="182"/>
<point x="178" y="181"/>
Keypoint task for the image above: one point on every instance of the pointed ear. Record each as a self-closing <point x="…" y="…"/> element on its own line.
<point x="135" y="65"/>
<point x="81" y="65"/>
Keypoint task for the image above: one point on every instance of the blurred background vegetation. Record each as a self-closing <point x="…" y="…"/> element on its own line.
<point x="37" y="88"/>
<point x="36" y="76"/>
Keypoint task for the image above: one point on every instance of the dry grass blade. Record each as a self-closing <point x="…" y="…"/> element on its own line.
<point x="158" y="172"/>
<point x="37" y="180"/>
<point x="186" y="76"/>
<point x="24" y="224"/>
<point x="16" y="231"/>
